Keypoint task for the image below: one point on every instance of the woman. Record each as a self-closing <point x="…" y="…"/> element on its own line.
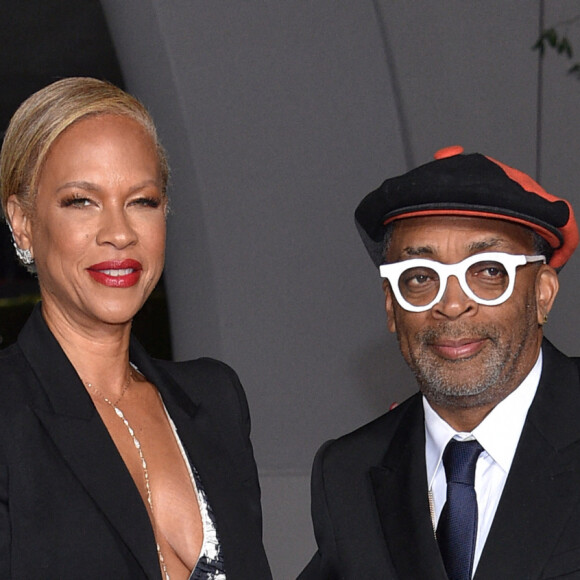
<point x="112" y="464"/>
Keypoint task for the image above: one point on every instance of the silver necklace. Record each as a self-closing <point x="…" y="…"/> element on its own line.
<point x="137" y="445"/>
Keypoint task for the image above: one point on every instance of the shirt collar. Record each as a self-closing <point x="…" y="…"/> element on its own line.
<point x="498" y="433"/>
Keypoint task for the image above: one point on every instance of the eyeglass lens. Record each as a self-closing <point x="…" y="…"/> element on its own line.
<point x="488" y="280"/>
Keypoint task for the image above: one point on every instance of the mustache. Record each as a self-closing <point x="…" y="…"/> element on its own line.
<point x="456" y="331"/>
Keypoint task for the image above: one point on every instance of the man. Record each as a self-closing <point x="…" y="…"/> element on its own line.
<point x="478" y="475"/>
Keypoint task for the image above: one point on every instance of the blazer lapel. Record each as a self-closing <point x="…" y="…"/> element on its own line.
<point x="76" y="429"/>
<point x="400" y="487"/>
<point x="544" y="480"/>
<point x="210" y="453"/>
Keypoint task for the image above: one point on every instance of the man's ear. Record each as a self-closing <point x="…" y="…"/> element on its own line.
<point x="389" y="306"/>
<point x="19" y="223"/>
<point x="547" y="285"/>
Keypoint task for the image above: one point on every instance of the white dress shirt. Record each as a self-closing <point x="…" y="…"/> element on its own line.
<point x="498" y="434"/>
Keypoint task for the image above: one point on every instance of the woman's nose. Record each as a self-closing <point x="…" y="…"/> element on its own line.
<point x="116" y="228"/>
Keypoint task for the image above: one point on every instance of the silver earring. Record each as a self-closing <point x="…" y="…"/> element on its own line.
<point x="25" y="256"/>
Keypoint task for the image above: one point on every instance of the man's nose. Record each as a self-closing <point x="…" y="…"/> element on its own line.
<point x="455" y="302"/>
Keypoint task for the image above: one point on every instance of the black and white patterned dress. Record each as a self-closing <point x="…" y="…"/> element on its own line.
<point x="210" y="565"/>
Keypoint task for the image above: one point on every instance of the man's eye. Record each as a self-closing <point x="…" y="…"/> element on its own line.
<point x="488" y="271"/>
<point x="419" y="278"/>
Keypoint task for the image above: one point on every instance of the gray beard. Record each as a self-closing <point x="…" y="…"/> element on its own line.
<point x="438" y="380"/>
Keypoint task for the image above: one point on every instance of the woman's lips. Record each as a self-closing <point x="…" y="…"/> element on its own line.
<point x="116" y="273"/>
<point x="457" y="349"/>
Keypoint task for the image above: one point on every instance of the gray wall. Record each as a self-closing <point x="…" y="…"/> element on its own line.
<point x="278" y="117"/>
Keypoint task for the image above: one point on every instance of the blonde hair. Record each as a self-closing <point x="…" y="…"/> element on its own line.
<point x="44" y="116"/>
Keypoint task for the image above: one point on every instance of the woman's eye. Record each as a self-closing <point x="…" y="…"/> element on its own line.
<point x="152" y="202"/>
<point x="76" y="202"/>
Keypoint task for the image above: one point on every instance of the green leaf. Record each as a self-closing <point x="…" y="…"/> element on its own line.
<point x="539" y="45"/>
<point x="564" y="47"/>
<point x="551" y="36"/>
<point x="575" y="70"/>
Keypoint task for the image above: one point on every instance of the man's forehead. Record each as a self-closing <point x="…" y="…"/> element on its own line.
<point x="433" y="234"/>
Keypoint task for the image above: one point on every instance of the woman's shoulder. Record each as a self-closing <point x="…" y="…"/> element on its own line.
<point x="200" y="369"/>
<point x="13" y="363"/>
<point x="18" y="383"/>
<point x="206" y="379"/>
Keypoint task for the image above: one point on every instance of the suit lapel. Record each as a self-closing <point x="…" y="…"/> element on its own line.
<point x="400" y="487"/>
<point x="544" y="480"/>
<point x="73" y="424"/>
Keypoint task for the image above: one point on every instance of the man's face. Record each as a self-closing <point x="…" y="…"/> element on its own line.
<point x="465" y="354"/>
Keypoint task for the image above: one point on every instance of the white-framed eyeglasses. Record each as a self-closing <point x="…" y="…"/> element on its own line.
<point x="487" y="278"/>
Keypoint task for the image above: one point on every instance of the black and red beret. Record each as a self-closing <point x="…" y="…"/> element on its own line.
<point x="473" y="185"/>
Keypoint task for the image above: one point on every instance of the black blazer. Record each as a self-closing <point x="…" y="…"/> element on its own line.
<point x="370" y="505"/>
<point x="68" y="506"/>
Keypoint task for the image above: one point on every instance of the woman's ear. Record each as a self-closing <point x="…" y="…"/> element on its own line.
<point x="19" y="223"/>
<point x="547" y="285"/>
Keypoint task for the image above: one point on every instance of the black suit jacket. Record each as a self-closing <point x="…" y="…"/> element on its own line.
<point x="370" y="504"/>
<point x="68" y="506"/>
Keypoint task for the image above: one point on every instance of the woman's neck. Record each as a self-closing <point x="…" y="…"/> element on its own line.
<point x="98" y="351"/>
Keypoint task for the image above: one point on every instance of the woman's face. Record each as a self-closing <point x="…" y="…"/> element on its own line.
<point x="97" y="232"/>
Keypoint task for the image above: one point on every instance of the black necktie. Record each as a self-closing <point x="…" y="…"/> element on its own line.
<point x="457" y="528"/>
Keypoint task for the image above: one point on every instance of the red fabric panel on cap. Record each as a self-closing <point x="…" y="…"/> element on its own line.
<point x="448" y="152"/>
<point x="569" y="231"/>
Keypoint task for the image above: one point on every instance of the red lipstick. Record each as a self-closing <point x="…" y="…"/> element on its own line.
<point x="116" y="273"/>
